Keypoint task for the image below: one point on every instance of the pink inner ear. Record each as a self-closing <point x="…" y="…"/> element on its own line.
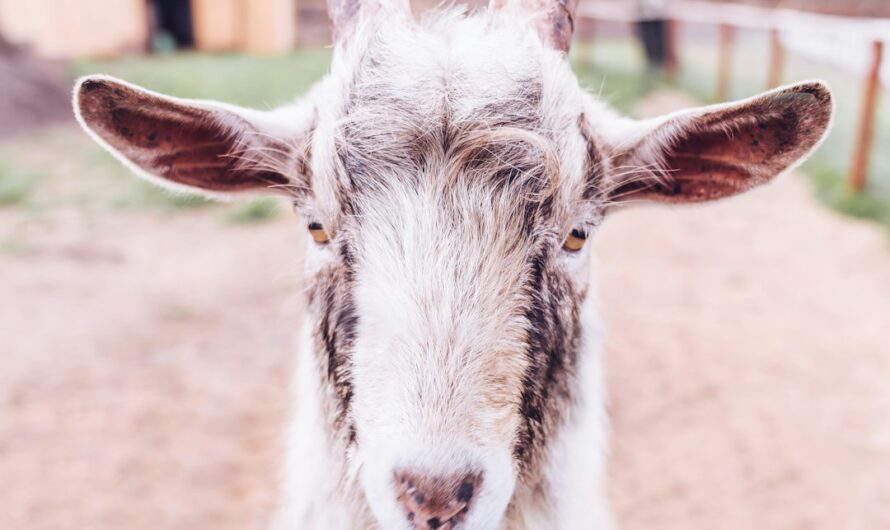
<point x="183" y="144"/>
<point x="733" y="149"/>
<point x="758" y="139"/>
<point x="728" y="158"/>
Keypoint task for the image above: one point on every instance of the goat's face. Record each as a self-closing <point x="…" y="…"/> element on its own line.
<point x="447" y="296"/>
<point x="450" y="172"/>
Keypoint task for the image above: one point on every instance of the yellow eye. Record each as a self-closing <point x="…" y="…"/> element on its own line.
<point x="318" y="233"/>
<point x="575" y="241"/>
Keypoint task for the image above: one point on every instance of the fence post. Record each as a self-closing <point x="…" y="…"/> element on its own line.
<point x="776" y="59"/>
<point x="724" y="59"/>
<point x="862" y="147"/>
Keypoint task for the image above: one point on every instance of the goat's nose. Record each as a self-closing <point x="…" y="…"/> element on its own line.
<point x="436" y="502"/>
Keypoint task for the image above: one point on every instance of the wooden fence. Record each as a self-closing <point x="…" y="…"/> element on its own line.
<point x="731" y="17"/>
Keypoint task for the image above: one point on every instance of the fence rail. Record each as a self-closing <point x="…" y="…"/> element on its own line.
<point x="730" y="17"/>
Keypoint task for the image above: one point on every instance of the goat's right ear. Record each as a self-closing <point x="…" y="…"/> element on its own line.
<point x="194" y="145"/>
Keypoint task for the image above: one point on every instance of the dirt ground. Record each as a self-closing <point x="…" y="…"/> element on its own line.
<point x="145" y="361"/>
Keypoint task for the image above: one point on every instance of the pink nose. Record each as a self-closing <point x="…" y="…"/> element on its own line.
<point x="436" y="502"/>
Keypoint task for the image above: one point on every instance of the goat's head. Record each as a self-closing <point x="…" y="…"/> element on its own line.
<point x="450" y="171"/>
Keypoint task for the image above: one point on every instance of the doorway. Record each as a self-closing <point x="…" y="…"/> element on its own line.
<point x="171" y="25"/>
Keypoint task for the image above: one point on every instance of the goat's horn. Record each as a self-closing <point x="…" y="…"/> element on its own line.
<point x="345" y="14"/>
<point x="554" y="19"/>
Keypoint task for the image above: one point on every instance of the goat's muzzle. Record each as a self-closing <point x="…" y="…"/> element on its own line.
<point x="435" y="502"/>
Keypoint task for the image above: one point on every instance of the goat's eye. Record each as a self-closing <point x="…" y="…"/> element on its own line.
<point x="318" y="233"/>
<point x="575" y="240"/>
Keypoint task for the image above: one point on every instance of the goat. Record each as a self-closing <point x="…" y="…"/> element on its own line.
<point x="450" y="171"/>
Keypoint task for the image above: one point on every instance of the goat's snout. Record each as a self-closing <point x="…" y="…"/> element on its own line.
<point x="436" y="502"/>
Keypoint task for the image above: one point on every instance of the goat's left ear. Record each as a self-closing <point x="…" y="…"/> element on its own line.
<point x="721" y="150"/>
<point x="201" y="146"/>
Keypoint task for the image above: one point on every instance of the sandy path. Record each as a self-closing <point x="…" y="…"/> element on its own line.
<point x="144" y="366"/>
<point x="749" y="364"/>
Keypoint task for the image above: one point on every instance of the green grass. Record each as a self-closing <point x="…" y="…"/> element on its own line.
<point x="258" y="82"/>
<point x="831" y="188"/>
<point x="614" y="70"/>
<point x="141" y="194"/>
<point x="15" y="246"/>
<point x="254" y="211"/>
<point x="16" y="185"/>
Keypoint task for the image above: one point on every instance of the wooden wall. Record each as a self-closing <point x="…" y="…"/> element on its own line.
<point x="257" y="26"/>
<point x="107" y="28"/>
<point x="74" y="28"/>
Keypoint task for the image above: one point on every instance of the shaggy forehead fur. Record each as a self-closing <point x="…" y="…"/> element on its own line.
<point x="446" y="102"/>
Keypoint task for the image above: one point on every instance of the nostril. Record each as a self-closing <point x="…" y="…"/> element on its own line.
<point x="435" y="502"/>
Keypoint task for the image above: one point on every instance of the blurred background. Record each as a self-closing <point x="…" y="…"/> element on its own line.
<point x="146" y="336"/>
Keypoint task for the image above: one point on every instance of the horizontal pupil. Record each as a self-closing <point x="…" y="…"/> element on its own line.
<point x="315" y="226"/>
<point x="579" y="234"/>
